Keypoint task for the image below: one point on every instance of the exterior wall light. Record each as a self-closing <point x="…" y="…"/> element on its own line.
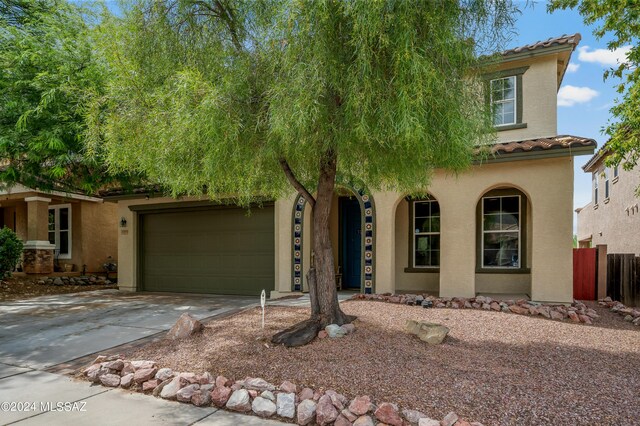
<point x="123" y="222"/>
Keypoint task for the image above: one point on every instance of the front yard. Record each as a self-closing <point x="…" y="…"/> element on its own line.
<point x="494" y="367"/>
<point x="26" y="287"/>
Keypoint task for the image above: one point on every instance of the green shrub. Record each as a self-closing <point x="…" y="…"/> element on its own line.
<point x="10" y="251"/>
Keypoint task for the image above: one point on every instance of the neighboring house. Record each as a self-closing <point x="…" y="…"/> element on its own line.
<point x="504" y="226"/>
<point x="71" y="231"/>
<point x="612" y="217"/>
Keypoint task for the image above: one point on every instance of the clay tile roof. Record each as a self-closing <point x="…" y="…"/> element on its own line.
<point x="571" y="40"/>
<point x="542" y="144"/>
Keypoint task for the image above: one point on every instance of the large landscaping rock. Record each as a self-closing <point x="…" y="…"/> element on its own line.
<point x="258" y="384"/>
<point x="388" y="413"/>
<point x="286" y="403"/>
<point x="201" y="398"/>
<point x="361" y="405"/>
<point x="450" y="419"/>
<point x="263" y="407"/>
<point x="306" y="412"/>
<point x="126" y="380"/>
<point x="164" y="374"/>
<point x="171" y="390"/>
<point x="413" y="416"/>
<point x="144" y="374"/>
<point x="334" y="330"/>
<point x="364" y="421"/>
<point x="220" y="395"/>
<point x="428" y="422"/>
<point x="239" y="401"/>
<point x="111" y="380"/>
<point x="428" y="332"/>
<point x="184" y="327"/>
<point x="185" y="394"/>
<point x="325" y="411"/>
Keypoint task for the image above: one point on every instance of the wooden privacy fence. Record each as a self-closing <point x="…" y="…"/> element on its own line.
<point x="584" y="274"/>
<point x="623" y="278"/>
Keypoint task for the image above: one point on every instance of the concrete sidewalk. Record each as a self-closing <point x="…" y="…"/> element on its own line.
<point x="83" y="404"/>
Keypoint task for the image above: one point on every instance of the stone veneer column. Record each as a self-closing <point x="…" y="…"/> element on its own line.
<point x="38" y="252"/>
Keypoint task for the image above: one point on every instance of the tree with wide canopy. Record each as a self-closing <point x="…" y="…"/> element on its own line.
<point x="49" y="68"/>
<point x="242" y="100"/>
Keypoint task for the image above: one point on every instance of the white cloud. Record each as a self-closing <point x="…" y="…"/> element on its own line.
<point x="570" y="95"/>
<point x="610" y="58"/>
<point x="573" y="67"/>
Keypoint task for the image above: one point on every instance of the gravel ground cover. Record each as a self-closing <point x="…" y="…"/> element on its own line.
<point x="494" y="367"/>
<point x="15" y="288"/>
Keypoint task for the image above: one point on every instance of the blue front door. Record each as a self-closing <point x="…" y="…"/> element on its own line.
<point x="351" y="257"/>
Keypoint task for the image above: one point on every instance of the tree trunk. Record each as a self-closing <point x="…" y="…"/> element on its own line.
<point x="325" y="308"/>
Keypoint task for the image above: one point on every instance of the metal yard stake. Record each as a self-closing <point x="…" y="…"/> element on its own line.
<point x="263" y="299"/>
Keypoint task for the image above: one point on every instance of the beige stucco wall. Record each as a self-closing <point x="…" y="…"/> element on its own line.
<point x="404" y="281"/>
<point x="548" y="185"/>
<point x="94" y="227"/>
<point x="539" y="98"/>
<point x="17" y="210"/>
<point x="613" y="221"/>
<point x="99" y="224"/>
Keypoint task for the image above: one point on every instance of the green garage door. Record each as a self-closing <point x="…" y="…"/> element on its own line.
<point x="218" y="250"/>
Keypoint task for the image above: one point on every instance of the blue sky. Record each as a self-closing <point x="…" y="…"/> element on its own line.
<point x="584" y="98"/>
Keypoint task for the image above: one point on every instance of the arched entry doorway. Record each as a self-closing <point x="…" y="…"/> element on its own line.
<point x="355" y="227"/>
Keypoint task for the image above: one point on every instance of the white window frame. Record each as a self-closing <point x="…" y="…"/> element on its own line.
<point x="595" y="189"/>
<point x="56" y="230"/>
<point x="519" y="266"/>
<point x="606" y="184"/>
<point x="514" y="99"/>
<point x="414" y="234"/>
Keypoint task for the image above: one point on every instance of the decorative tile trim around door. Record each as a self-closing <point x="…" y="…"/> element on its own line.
<point x="367" y="209"/>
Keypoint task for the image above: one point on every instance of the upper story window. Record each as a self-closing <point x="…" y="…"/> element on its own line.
<point x="595" y="189"/>
<point x="503" y="100"/>
<point x="60" y="229"/>
<point x="504" y="95"/>
<point x="426" y="234"/>
<point x="606" y="183"/>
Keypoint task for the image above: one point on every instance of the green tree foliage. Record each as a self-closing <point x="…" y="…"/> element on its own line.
<point x="48" y="69"/>
<point x="208" y="94"/>
<point x="248" y="98"/>
<point x="10" y="251"/>
<point x="621" y="20"/>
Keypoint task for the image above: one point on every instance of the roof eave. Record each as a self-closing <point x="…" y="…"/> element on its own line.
<point x="537" y="154"/>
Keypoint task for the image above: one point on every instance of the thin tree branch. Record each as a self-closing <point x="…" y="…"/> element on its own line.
<point x="296" y="183"/>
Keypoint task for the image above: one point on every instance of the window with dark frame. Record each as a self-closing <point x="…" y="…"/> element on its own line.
<point x="501" y="231"/>
<point x="503" y="100"/>
<point x="426" y="234"/>
<point x="60" y="229"/>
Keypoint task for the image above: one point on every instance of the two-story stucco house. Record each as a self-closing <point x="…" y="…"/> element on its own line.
<point x="612" y="217"/>
<point x="504" y="226"/>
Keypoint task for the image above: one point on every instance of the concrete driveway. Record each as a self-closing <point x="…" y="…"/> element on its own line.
<point x="42" y="332"/>
<point x="51" y="331"/>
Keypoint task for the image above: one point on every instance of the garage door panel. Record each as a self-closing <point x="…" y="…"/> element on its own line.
<point x="221" y="251"/>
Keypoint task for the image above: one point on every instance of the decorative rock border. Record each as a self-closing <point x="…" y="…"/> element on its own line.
<point x="631" y="315"/>
<point x="578" y="312"/>
<point x="256" y="396"/>
<point x="74" y="280"/>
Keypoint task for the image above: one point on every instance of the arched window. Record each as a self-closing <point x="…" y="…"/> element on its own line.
<point x="502" y="231"/>
<point x="424" y="241"/>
